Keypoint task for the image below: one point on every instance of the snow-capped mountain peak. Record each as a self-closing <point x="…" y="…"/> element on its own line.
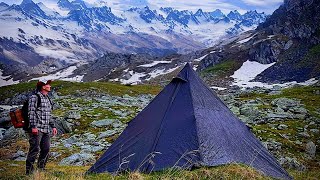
<point x="31" y="8"/>
<point x="217" y="14"/>
<point x="47" y="10"/>
<point x="3" y="6"/>
<point x="234" y="15"/>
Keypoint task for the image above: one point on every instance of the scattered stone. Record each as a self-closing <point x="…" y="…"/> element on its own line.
<point x="91" y="149"/>
<point x="117" y="124"/>
<point x="63" y="126"/>
<point x="285" y="103"/>
<point x="78" y="159"/>
<point x="73" y="139"/>
<point x="2" y="131"/>
<point x="102" y="123"/>
<point x="19" y="156"/>
<point x="285" y="136"/>
<point x="311" y="149"/>
<point x="73" y="115"/>
<point x="314" y="131"/>
<point x="79" y="144"/>
<point x="249" y="111"/>
<point x="55" y="155"/>
<point x="67" y="145"/>
<point x="107" y="133"/>
<point x="304" y="134"/>
<point x="272" y="145"/>
<point x="4" y="118"/>
<point x="282" y="127"/>
<point x="278" y="116"/>
<point x="291" y="163"/>
<point x="13" y="133"/>
<point x="298" y="142"/>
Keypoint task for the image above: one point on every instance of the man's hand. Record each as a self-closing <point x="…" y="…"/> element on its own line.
<point x="54" y="131"/>
<point x="34" y="131"/>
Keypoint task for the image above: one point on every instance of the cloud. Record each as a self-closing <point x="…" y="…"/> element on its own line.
<point x="207" y="5"/>
<point x="263" y="3"/>
<point x="225" y="6"/>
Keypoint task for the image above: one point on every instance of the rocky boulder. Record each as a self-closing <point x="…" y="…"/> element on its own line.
<point x="78" y="159"/>
<point x="311" y="150"/>
<point x="102" y="123"/>
<point x="291" y="163"/>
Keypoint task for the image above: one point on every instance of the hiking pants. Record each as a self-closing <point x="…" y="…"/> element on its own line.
<point x="38" y="142"/>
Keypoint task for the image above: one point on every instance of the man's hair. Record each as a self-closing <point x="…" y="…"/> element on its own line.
<point x="42" y="83"/>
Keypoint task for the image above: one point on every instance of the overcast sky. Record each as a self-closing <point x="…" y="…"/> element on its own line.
<point x="267" y="6"/>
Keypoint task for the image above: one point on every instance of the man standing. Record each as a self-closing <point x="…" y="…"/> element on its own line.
<point x="40" y="122"/>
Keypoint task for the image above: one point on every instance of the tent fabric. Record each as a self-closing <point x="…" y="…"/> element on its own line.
<point x="186" y="125"/>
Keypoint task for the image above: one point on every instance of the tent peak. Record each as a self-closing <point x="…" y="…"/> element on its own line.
<point x="185" y="72"/>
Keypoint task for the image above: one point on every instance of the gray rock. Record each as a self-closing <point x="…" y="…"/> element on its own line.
<point x="55" y="155"/>
<point x="91" y="149"/>
<point x="276" y="116"/>
<point x="314" y="131"/>
<point x="285" y="103"/>
<point x="291" y="163"/>
<point x="117" y="124"/>
<point x="272" y="145"/>
<point x="67" y="145"/>
<point x="276" y="88"/>
<point x="79" y="144"/>
<point x="86" y="147"/>
<point x="102" y="123"/>
<point x="107" y="133"/>
<point x="73" y="115"/>
<point x="282" y="127"/>
<point x="20" y="159"/>
<point x="2" y="131"/>
<point x="13" y="133"/>
<point x="250" y="111"/>
<point x="298" y="142"/>
<point x="73" y="139"/>
<point x="63" y="126"/>
<point x="274" y="93"/>
<point x="288" y="44"/>
<point x="235" y="110"/>
<point x="78" y="159"/>
<point x="304" y="134"/>
<point x="311" y="149"/>
<point x="4" y="117"/>
<point x="97" y="148"/>
<point x="19" y="156"/>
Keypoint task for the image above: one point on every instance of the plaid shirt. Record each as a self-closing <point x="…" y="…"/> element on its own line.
<point x="40" y="117"/>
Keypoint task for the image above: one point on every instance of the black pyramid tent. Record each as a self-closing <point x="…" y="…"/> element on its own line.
<point x="186" y="125"/>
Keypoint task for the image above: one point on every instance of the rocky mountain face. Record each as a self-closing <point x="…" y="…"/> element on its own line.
<point x="34" y="33"/>
<point x="296" y="51"/>
<point x="289" y="38"/>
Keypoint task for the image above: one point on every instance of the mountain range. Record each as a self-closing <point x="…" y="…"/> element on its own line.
<point x="143" y="45"/>
<point x="283" y="49"/>
<point x="36" y="39"/>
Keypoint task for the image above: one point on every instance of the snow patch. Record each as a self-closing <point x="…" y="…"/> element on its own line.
<point x="63" y="75"/>
<point x="218" y="88"/>
<point x="134" y="79"/>
<point x="159" y="72"/>
<point x="6" y="80"/>
<point x="247" y="72"/>
<point x="154" y="63"/>
<point x="245" y="40"/>
<point x="250" y="69"/>
<point x="200" y="58"/>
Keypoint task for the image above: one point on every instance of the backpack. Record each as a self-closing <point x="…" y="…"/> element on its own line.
<point x="19" y="117"/>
